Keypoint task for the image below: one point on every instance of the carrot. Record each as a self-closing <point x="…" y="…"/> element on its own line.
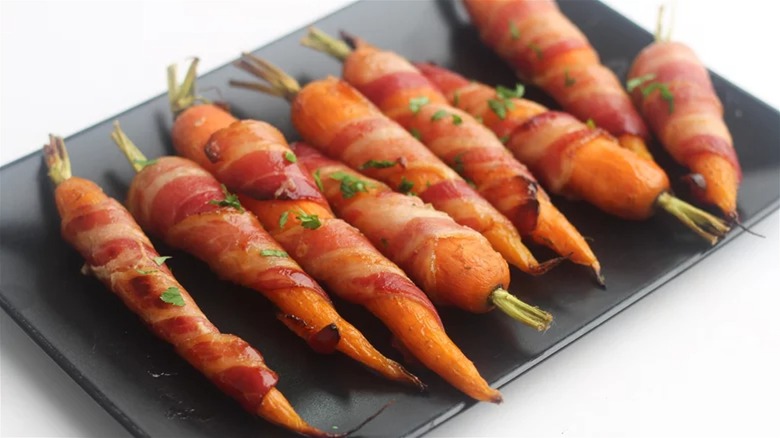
<point x="546" y="49"/>
<point x="574" y="159"/>
<point x="336" y="118"/>
<point x="122" y="257"/>
<point x="253" y="158"/>
<point x="183" y="204"/>
<point x="397" y="87"/>
<point x="673" y="91"/>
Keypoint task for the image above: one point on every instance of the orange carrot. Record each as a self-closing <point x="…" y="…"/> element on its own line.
<point x="120" y="255"/>
<point x="253" y="159"/>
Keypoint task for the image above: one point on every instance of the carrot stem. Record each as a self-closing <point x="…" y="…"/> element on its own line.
<point x="134" y="155"/>
<point x="57" y="160"/>
<point x="278" y="82"/>
<point x="182" y="96"/>
<point x="523" y="312"/>
<point x="702" y="223"/>
<point x="322" y="42"/>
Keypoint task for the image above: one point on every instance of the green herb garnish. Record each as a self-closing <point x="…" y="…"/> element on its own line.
<point x="508" y="93"/>
<point x="350" y="185"/>
<point x="416" y="103"/>
<point x="662" y="88"/>
<point x="308" y="221"/>
<point x="456" y="98"/>
<point x="456" y="120"/>
<point x="146" y="271"/>
<point x="438" y="115"/>
<point x="273" y="253"/>
<point x="406" y="186"/>
<point x="590" y="123"/>
<point x="172" y="295"/>
<point x="504" y="139"/>
<point x="514" y="32"/>
<point x="538" y="50"/>
<point x="377" y="164"/>
<point x="415" y="133"/>
<point x="161" y="259"/>
<point x="568" y="81"/>
<point x="457" y="162"/>
<point x="231" y="200"/>
<point x="317" y="180"/>
<point x="639" y="80"/>
<point x="283" y="219"/>
<point x="500" y="107"/>
<point x="290" y="156"/>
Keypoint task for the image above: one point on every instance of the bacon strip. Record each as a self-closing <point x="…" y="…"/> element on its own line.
<point x="332" y="251"/>
<point x="120" y="255"/>
<point x="548" y="50"/>
<point x="689" y="121"/>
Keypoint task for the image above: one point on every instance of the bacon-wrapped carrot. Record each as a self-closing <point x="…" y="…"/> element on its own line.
<point x="577" y="160"/>
<point x="336" y="118"/>
<point x="183" y="204"/>
<point x="452" y="263"/>
<point x="256" y="158"/>
<point x="546" y="49"/>
<point x="407" y="97"/>
<point x="673" y="91"/>
<point x="120" y="255"/>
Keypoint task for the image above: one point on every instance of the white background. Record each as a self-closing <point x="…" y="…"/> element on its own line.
<point x="699" y="357"/>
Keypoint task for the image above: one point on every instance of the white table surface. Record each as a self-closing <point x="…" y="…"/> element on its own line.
<point x="698" y="357"/>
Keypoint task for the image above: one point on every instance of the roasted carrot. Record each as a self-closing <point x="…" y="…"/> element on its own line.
<point x="577" y="160"/>
<point x="547" y="50"/>
<point x="183" y="204"/>
<point x="120" y="255"/>
<point x="253" y="157"/>
<point x="406" y="96"/>
<point x="673" y="91"/>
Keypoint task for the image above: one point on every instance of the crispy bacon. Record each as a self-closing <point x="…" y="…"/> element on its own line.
<point x="688" y="119"/>
<point x="547" y="49"/>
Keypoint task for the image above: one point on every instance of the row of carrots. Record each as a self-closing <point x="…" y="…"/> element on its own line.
<point x="411" y="191"/>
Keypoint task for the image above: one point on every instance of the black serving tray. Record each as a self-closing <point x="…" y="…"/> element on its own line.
<point x="151" y="391"/>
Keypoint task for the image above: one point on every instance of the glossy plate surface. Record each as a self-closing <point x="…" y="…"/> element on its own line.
<point x="151" y="391"/>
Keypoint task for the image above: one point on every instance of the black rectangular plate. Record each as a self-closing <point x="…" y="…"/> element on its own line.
<point x="151" y="391"/>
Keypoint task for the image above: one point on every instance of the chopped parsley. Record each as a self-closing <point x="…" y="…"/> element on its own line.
<point x="231" y="200"/>
<point x="504" y="139"/>
<point x="317" y="180"/>
<point x="416" y="103"/>
<point x="457" y="162"/>
<point x="350" y="184"/>
<point x="438" y="115"/>
<point x="590" y="123"/>
<point x="146" y="271"/>
<point x="514" y="32"/>
<point x="415" y="133"/>
<point x="308" y="221"/>
<point x="378" y="164"/>
<point x="508" y="93"/>
<point x="406" y="186"/>
<point x="290" y="156"/>
<point x="456" y="98"/>
<point x="538" y="50"/>
<point x="161" y="259"/>
<point x="273" y="253"/>
<point x="568" y="81"/>
<point x="172" y="295"/>
<point x="639" y="80"/>
<point x="500" y="107"/>
<point x="456" y="120"/>
<point x="283" y="219"/>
